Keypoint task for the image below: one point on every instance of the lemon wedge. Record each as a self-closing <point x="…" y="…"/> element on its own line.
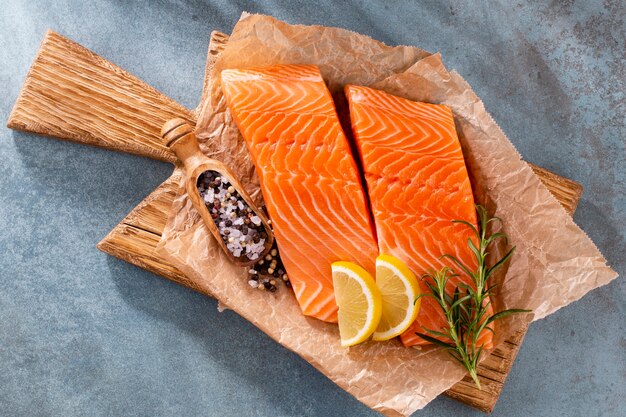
<point x="359" y="302"/>
<point x="399" y="289"/>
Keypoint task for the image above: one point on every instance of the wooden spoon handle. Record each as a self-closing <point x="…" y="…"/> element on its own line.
<point x="181" y="139"/>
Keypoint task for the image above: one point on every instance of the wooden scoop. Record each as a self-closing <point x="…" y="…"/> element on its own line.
<point x="180" y="138"/>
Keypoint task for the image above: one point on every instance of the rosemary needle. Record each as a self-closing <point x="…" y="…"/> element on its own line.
<point x="466" y="309"/>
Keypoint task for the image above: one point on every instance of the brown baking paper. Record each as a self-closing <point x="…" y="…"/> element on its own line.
<point x="554" y="265"/>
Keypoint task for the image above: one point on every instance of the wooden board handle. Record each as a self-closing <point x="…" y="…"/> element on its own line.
<point x="73" y="94"/>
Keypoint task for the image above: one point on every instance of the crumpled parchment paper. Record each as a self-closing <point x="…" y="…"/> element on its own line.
<point x="554" y="265"/>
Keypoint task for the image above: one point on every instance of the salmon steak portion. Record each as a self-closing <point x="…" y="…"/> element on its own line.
<point x="309" y="179"/>
<point x="417" y="184"/>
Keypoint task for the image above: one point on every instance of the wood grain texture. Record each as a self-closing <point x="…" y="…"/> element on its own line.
<point x="42" y="108"/>
<point x="71" y="93"/>
<point x="216" y="46"/>
<point x="136" y="236"/>
<point x="568" y="192"/>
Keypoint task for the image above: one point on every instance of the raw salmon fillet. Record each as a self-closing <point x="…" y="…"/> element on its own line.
<point x="417" y="184"/>
<point x="310" y="181"/>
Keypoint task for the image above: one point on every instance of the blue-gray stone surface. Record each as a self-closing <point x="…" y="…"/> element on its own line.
<point x="84" y="334"/>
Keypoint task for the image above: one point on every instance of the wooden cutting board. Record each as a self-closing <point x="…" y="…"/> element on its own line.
<point x="73" y="94"/>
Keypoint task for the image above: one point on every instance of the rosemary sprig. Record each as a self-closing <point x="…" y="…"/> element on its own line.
<point x="467" y="308"/>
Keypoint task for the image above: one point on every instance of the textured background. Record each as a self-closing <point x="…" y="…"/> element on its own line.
<point x="83" y="334"/>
